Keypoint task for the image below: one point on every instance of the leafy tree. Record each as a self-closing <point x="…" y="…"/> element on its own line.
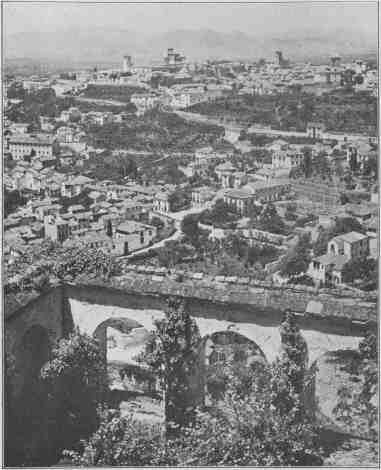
<point x="10" y="417"/>
<point x="180" y="199"/>
<point x="338" y="168"/>
<point x="270" y="220"/>
<point x="190" y="228"/>
<point x="28" y="158"/>
<point x="363" y="268"/>
<point x="74" y="259"/>
<point x="368" y="347"/>
<point x="290" y="213"/>
<point x="16" y="91"/>
<point x="126" y="166"/>
<point x="322" y="166"/>
<point x="220" y="215"/>
<point x="173" y="253"/>
<point x="357" y="408"/>
<point x="289" y="373"/>
<point x="370" y="167"/>
<point x="157" y="222"/>
<point x="172" y="354"/>
<point x="307" y="162"/>
<point x="119" y="440"/>
<point x="261" y="421"/>
<point x="74" y="379"/>
<point x="353" y="162"/>
<point x="12" y="200"/>
<point x="298" y="258"/>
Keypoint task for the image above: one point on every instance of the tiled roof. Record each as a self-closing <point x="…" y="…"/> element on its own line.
<point x="31" y="139"/>
<point x="350" y="237"/>
<point x="337" y="260"/>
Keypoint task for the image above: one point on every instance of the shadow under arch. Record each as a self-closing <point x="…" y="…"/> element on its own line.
<point x="25" y="424"/>
<point x="33" y="353"/>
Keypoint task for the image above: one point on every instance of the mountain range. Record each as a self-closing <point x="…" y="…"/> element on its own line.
<point x="106" y="46"/>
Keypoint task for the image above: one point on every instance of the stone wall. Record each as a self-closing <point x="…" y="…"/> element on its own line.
<point x="235" y="300"/>
<point x="262" y="296"/>
<point x="47" y="310"/>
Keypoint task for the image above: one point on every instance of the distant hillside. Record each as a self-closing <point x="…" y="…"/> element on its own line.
<point x="108" y="46"/>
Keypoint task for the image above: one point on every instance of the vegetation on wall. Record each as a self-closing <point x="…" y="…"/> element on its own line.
<point x="261" y="419"/>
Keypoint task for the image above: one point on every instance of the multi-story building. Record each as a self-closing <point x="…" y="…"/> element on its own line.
<point x="284" y="155"/>
<point x="315" y="130"/>
<point x="65" y="134"/>
<point x="328" y="268"/>
<point x="161" y="202"/>
<point x="22" y="145"/>
<point x="225" y="173"/>
<point x="241" y="200"/>
<point x="145" y="101"/>
<point x="74" y="186"/>
<point x="361" y="151"/>
<point x="56" y="228"/>
<point x="204" y="158"/>
<point x="201" y="197"/>
<point x="131" y="236"/>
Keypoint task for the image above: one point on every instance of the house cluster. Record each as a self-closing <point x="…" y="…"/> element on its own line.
<point x="114" y="217"/>
<point x="328" y="268"/>
<point x="119" y="217"/>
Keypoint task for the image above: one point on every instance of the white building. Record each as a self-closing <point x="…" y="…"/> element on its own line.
<point x="21" y="145"/>
<point x="131" y="236"/>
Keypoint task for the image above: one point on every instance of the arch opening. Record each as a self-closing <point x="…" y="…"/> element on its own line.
<point x="122" y="341"/>
<point x="224" y="352"/>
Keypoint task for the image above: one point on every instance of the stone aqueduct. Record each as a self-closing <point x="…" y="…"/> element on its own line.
<point x="33" y="328"/>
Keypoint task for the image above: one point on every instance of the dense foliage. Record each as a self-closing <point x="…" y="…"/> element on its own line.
<point x="74" y="379"/>
<point x="357" y="407"/>
<point x="297" y="259"/>
<point x="43" y="102"/>
<point x="75" y="260"/>
<point x="220" y="216"/>
<point x="111" y="92"/>
<point x="270" y="221"/>
<point x="339" y="110"/>
<point x="363" y="270"/>
<point x="12" y="201"/>
<point x="261" y="418"/>
<point x="180" y="199"/>
<point x="155" y="131"/>
<point x="120" y="440"/>
<point x="111" y="167"/>
<point x="66" y="261"/>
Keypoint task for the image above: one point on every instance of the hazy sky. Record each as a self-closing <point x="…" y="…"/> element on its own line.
<point x="147" y="18"/>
